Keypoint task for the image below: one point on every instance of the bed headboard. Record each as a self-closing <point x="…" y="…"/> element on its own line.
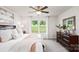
<point x="4" y="27"/>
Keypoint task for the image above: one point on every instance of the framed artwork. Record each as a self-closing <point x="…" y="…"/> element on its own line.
<point x="6" y="17"/>
<point x="70" y="23"/>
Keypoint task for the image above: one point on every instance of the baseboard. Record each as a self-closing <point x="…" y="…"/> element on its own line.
<point x="49" y="38"/>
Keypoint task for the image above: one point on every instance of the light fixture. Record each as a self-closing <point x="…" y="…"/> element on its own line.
<point x="38" y="12"/>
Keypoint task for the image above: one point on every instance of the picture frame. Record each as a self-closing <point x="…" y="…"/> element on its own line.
<point x="70" y="23"/>
<point x="6" y="17"/>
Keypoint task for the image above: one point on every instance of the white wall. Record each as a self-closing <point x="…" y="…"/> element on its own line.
<point x="52" y="27"/>
<point x="26" y="21"/>
<point x="74" y="11"/>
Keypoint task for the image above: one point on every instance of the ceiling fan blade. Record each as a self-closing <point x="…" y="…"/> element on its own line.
<point x="44" y="8"/>
<point x="33" y="8"/>
<point x="44" y="11"/>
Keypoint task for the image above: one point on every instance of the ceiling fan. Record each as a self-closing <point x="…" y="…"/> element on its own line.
<point x="40" y="9"/>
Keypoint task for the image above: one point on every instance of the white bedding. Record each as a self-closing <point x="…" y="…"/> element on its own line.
<point x="22" y="44"/>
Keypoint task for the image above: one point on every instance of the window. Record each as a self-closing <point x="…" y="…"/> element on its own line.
<point x="34" y="26"/>
<point x="42" y="26"/>
<point x="38" y="26"/>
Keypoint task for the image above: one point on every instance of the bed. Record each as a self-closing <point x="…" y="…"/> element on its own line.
<point x="12" y="39"/>
<point x="25" y="43"/>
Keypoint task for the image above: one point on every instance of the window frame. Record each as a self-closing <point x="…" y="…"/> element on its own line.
<point x="38" y="21"/>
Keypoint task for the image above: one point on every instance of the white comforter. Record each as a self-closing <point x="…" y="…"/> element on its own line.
<point x="22" y="44"/>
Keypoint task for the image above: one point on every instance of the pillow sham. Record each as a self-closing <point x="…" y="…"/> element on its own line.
<point x="5" y="35"/>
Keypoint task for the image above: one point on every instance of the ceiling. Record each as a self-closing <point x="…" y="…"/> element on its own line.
<point x="24" y="11"/>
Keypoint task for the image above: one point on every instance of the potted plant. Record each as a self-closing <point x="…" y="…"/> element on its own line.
<point x="61" y="28"/>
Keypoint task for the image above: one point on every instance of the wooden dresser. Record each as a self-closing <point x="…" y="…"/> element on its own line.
<point x="69" y="41"/>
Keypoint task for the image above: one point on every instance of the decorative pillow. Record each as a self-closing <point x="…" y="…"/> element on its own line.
<point x="5" y="35"/>
<point x="20" y="32"/>
<point x="15" y="34"/>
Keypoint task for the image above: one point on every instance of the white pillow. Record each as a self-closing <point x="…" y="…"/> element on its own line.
<point x="19" y="30"/>
<point x="5" y="35"/>
<point x="15" y="34"/>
